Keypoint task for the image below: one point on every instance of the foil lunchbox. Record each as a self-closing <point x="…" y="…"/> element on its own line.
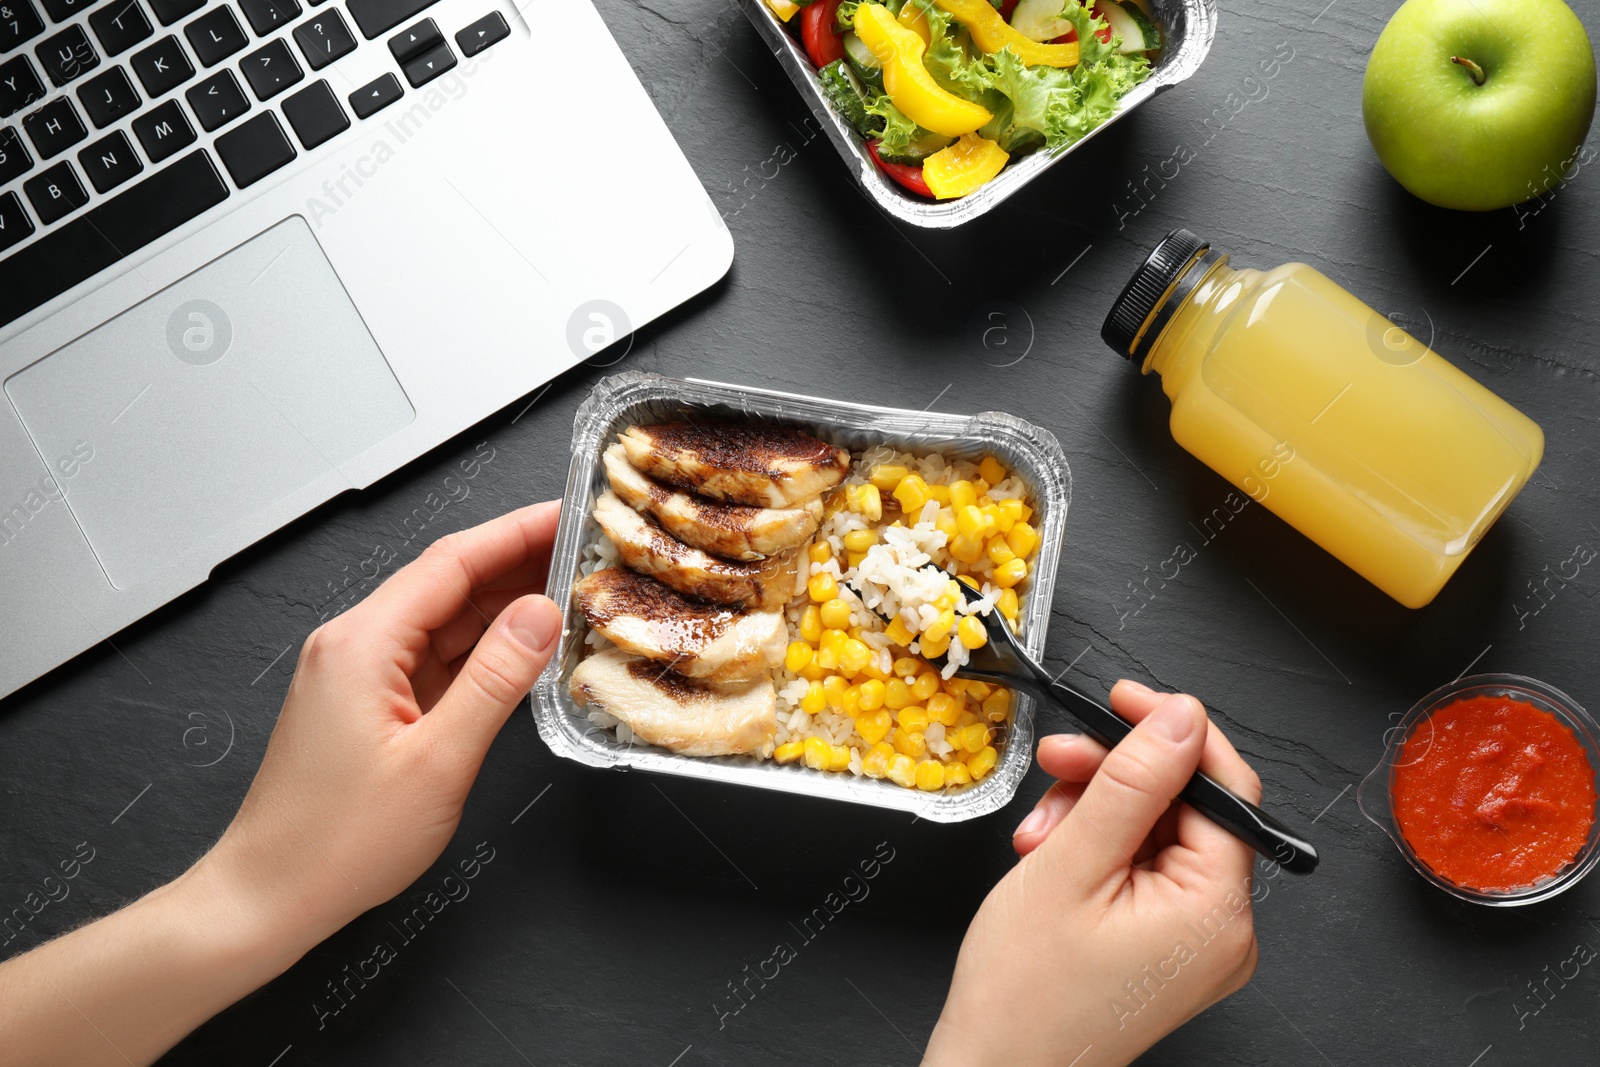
<point x="637" y="397"/>
<point x="1189" y="26"/>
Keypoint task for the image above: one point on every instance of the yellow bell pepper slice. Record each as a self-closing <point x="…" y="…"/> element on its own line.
<point x="964" y="166"/>
<point x="784" y="9"/>
<point x="914" y="18"/>
<point x="909" y="85"/>
<point x="991" y="33"/>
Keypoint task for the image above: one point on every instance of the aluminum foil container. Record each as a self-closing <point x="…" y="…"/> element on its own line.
<point x="636" y="397"/>
<point x="1189" y="26"/>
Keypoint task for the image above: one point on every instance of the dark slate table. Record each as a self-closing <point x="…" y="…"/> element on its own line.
<point x="619" y="909"/>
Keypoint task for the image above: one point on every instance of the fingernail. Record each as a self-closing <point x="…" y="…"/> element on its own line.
<point x="534" y="622"/>
<point x="1140" y="686"/>
<point x="1174" y="718"/>
<point x="1032" y="824"/>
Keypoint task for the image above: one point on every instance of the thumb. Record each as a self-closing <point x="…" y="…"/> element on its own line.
<point x="497" y="675"/>
<point x="1134" y="786"/>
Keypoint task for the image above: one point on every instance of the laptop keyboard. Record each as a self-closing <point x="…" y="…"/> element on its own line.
<point x="64" y="79"/>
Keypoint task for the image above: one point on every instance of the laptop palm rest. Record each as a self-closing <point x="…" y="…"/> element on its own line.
<point x="209" y="401"/>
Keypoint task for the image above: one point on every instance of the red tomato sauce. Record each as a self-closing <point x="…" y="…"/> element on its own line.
<point x="1492" y="793"/>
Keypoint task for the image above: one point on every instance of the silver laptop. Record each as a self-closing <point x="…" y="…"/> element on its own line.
<point x="254" y="253"/>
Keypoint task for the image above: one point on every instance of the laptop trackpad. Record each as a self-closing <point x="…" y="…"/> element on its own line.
<point x="212" y="399"/>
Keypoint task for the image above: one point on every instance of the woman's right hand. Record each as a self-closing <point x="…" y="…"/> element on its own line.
<point x="1128" y="915"/>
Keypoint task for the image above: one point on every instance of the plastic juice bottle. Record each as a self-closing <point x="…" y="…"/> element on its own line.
<point x="1344" y="425"/>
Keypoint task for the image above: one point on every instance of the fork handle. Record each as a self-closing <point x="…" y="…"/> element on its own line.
<point x="1227" y="809"/>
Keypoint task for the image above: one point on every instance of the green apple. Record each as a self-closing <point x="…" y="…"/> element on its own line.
<point x="1479" y="104"/>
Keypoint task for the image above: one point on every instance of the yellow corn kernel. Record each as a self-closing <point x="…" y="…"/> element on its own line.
<point x="788" y="752"/>
<point x="964" y="719"/>
<point x="875" y="764"/>
<point x="957" y="774"/>
<point x="820" y="552"/>
<point x="913" y="720"/>
<point x="887" y="476"/>
<point x="833" y="687"/>
<point x="873" y="726"/>
<point x="852" y="657"/>
<point x="991" y="471"/>
<point x="941" y="626"/>
<point x="969" y="520"/>
<point x="941" y="493"/>
<point x="871" y="503"/>
<point x="811" y="624"/>
<point x="903" y="770"/>
<point x="1022" y="539"/>
<point x="930" y="776"/>
<point x="822" y="587"/>
<point x="832" y="637"/>
<point x="982" y="762"/>
<point x="817" y="753"/>
<point x="913" y="745"/>
<point x="906" y="666"/>
<point x="835" y="614"/>
<point x="850" y="701"/>
<point x="972" y="633"/>
<point x="1024" y="513"/>
<point x="814" y="700"/>
<point x="838" y="758"/>
<point x="812" y="672"/>
<point x="899" y="633"/>
<point x="962" y="494"/>
<point x="935" y="646"/>
<point x="943" y="708"/>
<point x="982" y="487"/>
<point x="999" y="551"/>
<point x="973" y="737"/>
<point x="860" y="540"/>
<point x="797" y="656"/>
<point x="1009" y="574"/>
<point x="827" y="659"/>
<point x="977" y="690"/>
<point x="875" y="672"/>
<point x="1008" y="604"/>
<point x="854" y="559"/>
<point x="871" y="695"/>
<point x="896" y="694"/>
<point x="912" y="493"/>
<point x="967" y="548"/>
<point x="945" y="523"/>
<point x="926" y="685"/>
<point x="1012" y="509"/>
<point x="998" y="707"/>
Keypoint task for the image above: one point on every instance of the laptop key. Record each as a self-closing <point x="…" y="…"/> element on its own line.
<point x="109" y="162"/>
<point x="215" y="36"/>
<point x="491" y="29"/>
<point x="315" y="114"/>
<point x="19" y="85"/>
<point x="62" y="10"/>
<point x="412" y="41"/>
<point x="218" y="100"/>
<point x="376" y="95"/>
<point x="324" y="39"/>
<point x="267" y="15"/>
<point x="67" y="55"/>
<point x="54" y="128"/>
<point x="125" y="223"/>
<point x="107" y="97"/>
<point x="170" y="11"/>
<point x="14" y="221"/>
<point x="162" y="67"/>
<point x="255" y="149"/>
<point x="55" y="192"/>
<point x="429" y="65"/>
<point x="120" y="26"/>
<point x="375" y="16"/>
<point x="18" y="22"/>
<point x="271" y="69"/>
<point x="163" y="131"/>
<point x="14" y="159"/>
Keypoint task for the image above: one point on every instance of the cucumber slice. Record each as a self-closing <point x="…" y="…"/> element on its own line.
<point x="1040" y="20"/>
<point x="844" y="92"/>
<point x="920" y="148"/>
<point x="1147" y="25"/>
<point x="1135" y="30"/>
<point x="863" y="62"/>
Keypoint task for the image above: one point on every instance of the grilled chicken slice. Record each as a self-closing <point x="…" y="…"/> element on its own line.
<point x="732" y="531"/>
<point x="744" y="463"/>
<point x="668" y="710"/>
<point x="648" y="549"/>
<point x="709" y="642"/>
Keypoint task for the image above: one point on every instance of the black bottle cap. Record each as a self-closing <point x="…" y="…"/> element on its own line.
<point x="1142" y="295"/>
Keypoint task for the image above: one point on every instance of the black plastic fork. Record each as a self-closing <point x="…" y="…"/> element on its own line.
<point x="1003" y="661"/>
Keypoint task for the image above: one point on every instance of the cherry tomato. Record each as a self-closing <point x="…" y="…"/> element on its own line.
<point x="1006" y="8"/>
<point x="823" y="42"/>
<point x="1104" y="32"/>
<point x="908" y="176"/>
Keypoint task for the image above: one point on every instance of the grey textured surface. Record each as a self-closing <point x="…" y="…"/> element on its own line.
<point x="618" y="908"/>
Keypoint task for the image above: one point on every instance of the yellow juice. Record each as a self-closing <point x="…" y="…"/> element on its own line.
<point x="1348" y="428"/>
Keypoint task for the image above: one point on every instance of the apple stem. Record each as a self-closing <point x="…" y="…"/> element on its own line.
<point x="1472" y="68"/>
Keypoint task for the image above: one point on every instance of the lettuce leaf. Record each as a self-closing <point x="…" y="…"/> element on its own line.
<point x="898" y="130"/>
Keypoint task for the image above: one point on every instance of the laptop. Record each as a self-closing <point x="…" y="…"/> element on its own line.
<point x="256" y="253"/>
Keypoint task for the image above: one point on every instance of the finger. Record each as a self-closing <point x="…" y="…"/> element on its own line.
<point x="495" y="677"/>
<point x="462" y="632"/>
<point x="1070" y="757"/>
<point x="435" y="587"/>
<point x="1135" y="784"/>
<point x="1220" y="760"/>
<point x="1047" y="814"/>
